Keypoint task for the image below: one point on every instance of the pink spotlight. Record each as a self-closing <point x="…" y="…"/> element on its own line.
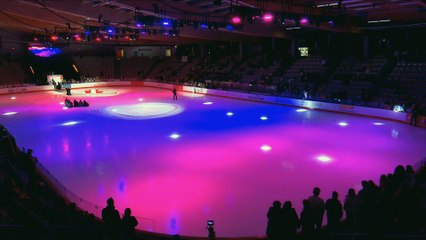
<point x="324" y="158"/>
<point x="268" y="17"/>
<point x="236" y="20"/>
<point x="304" y="21"/>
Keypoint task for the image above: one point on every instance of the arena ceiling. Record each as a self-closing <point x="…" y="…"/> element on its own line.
<point x="195" y="20"/>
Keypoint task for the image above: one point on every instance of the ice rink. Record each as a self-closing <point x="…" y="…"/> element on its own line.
<point x="181" y="163"/>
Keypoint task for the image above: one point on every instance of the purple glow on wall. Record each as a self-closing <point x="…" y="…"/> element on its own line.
<point x="304" y="21"/>
<point x="268" y="17"/>
<point x="44" y="51"/>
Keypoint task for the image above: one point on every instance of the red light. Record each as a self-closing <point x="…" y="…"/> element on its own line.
<point x="98" y="39"/>
<point x="35" y="39"/>
<point x="54" y="38"/>
<point x="236" y="20"/>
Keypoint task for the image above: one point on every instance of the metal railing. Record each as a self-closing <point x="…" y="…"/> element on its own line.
<point x="145" y="224"/>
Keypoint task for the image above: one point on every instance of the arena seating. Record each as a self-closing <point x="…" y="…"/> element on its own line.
<point x="136" y="67"/>
<point x="355" y="81"/>
<point x="304" y="74"/>
<point x="91" y="67"/>
<point x="11" y="73"/>
<point x="405" y="83"/>
<point x="354" y="78"/>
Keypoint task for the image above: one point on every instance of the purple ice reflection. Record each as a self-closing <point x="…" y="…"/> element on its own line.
<point x="199" y="164"/>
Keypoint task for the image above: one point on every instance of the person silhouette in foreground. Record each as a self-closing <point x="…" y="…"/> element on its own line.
<point x="290" y="221"/>
<point x="111" y="219"/>
<point x="351" y="206"/>
<point x="273" y="230"/>
<point x="317" y="205"/>
<point x="129" y="223"/>
<point x="334" y="211"/>
<point x="307" y="220"/>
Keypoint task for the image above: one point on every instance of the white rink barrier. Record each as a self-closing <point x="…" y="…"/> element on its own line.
<point x="73" y="86"/>
<point x="335" y="107"/>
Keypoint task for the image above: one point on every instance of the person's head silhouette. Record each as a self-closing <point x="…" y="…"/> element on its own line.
<point x="127" y="212"/>
<point x="287" y="205"/>
<point x="276" y="204"/>
<point x="316" y="191"/>
<point x="110" y="202"/>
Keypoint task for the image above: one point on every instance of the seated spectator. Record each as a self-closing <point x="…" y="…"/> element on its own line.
<point x="68" y="103"/>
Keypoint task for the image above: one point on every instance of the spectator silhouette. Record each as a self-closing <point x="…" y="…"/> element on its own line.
<point x="317" y="205"/>
<point x="366" y="205"/>
<point x="290" y="221"/>
<point x="415" y="110"/>
<point x="307" y="221"/>
<point x="334" y="211"/>
<point x="111" y="219"/>
<point x="273" y="230"/>
<point x="129" y="223"/>
<point x="351" y="206"/>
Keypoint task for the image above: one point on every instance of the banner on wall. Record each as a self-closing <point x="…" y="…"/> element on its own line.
<point x="58" y="78"/>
